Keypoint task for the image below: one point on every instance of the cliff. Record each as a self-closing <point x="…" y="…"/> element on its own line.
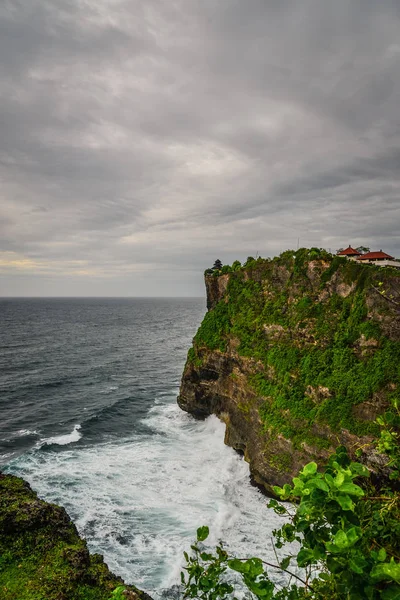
<point x="42" y="556"/>
<point x="297" y="355"/>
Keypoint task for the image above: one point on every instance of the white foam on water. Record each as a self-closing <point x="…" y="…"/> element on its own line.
<point x="4" y="457"/>
<point x="62" y="440"/>
<point x="140" y="501"/>
<point x="24" y="432"/>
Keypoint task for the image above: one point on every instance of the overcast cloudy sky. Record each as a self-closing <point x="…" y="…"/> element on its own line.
<point x="142" y="139"/>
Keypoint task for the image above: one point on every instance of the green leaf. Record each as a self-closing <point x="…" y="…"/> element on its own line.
<point x="202" y="533"/>
<point x="298" y="483"/>
<point x="305" y="508"/>
<point x="304" y="557"/>
<point x="319" y="552"/>
<point x="240" y="566"/>
<point x="340" y="540"/>
<point x="359" y="469"/>
<point x="272" y="503"/>
<point x="285" y="562"/>
<point x="256" y="567"/>
<point x="339" y="479"/>
<point x="345" y="502"/>
<point x="357" y="562"/>
<point x="262" y="589"/>
<point x="318" y="483"/>
<point x="206" y="557"/>
<point x="353" y="535"/>
<point x="329" y="480"/>
<point x="382" y="555"/>
<point x="355" y="567"/>
<point x="310" y="469"/>
<point x="287" y="489"/>
<point x="352" y="489"/>
<point x="386" y="571"/>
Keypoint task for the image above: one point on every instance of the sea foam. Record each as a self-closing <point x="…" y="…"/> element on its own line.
<point x="139" y="500"/>
<point x="62" y="440"/>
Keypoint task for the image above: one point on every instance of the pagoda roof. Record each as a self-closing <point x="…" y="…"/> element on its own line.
<point x="349" y="252"/>
<point x="376" y="256"/>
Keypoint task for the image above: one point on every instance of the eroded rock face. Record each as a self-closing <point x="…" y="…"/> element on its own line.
<point x="227" y="395"/>
<point x="43" y="554"/>
<point x="221" y="382"/>
<point x="216" y="288"/>
<point x="221" y="387"/>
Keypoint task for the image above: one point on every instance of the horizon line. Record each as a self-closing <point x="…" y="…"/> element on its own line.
<point x="101" y="297"/>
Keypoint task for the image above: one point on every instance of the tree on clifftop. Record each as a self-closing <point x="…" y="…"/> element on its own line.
<point x="217" y="265"/>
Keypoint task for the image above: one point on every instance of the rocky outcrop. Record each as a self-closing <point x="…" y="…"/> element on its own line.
<point x="221" y="387"/>
<point x="291" y="309"/>
<point x="42" y="555"/>
<point x="216" y="288"/>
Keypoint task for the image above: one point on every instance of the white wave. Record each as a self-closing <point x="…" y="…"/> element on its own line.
<point x="63" y="440"/>
<point x="5" y="457"/>
<point x="109" y="389"/>
<point x="140" y="501"/>
<point x="24" y="432"/>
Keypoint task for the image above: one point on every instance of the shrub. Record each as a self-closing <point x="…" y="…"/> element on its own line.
<point x="347" y="531"/>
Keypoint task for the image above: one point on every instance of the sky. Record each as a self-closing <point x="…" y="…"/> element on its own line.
<point x="142" y="139"/>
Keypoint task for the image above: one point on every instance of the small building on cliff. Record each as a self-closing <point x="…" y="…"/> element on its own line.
<point x="375" y="256"/>
<point x="349" y="253"/>
<point x="380" y="258"/>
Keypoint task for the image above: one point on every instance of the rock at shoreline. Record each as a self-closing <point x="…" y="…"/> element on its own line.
<point x="42" y="556"/>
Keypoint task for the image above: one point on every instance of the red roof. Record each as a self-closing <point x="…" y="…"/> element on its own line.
<point x="376" y="256"/>
<point x="349" y="252"/>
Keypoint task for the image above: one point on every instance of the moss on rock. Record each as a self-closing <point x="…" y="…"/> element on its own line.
<point x="314" y="342"/>
<point x="42" y="556"/>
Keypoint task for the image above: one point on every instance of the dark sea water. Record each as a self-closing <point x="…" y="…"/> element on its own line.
<point x="88" y="416"/>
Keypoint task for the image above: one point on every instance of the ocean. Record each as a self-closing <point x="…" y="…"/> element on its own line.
<point x="88" y="416"/>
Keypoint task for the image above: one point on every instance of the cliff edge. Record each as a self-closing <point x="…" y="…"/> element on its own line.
<point x="42" y="556"/>
<point x="297" y="355"/>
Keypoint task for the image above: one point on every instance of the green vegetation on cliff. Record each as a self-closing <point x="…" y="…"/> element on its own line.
<point x="321" y="327"/>
<point x="42" y="556"/>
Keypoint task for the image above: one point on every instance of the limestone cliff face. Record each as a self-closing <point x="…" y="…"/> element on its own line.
<point x="42" y="555"/>
<point x="216" y="288"/>
<point x="275" y="354"/>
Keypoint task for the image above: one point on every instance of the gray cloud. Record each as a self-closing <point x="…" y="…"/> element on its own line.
<point x="141" y="140"/>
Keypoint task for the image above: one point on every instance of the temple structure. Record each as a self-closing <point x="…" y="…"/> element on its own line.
<point x="375" y="256"/>
<point x="349" y="253"/>
<point x="380" y="258"/>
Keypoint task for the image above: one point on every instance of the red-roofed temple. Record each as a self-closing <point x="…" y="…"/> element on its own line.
<point x="376" y="256"/>
<point x="349" y="252"/>
<point x="380" y="258"/>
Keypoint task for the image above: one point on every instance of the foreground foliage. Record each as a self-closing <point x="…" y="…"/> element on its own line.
<point x="347" y="530"/>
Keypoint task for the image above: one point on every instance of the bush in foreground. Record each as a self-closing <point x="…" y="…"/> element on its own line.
<point x="347" y="528"/>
